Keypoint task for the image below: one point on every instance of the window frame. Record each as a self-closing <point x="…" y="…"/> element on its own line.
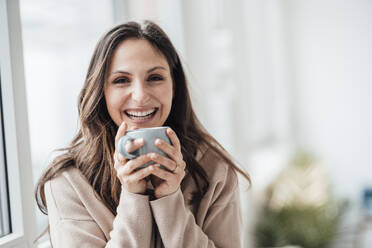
<point x="16" y="134"/>
<point x="4" y="196"/>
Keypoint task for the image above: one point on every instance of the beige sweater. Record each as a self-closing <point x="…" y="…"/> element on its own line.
<point x="78" y="218"/>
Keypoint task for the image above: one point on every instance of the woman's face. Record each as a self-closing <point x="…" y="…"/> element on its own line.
<point x="138" y="87"/>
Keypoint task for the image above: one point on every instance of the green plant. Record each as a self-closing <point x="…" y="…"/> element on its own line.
<point x="299" y="208"/>
<point x="308" y="227"/>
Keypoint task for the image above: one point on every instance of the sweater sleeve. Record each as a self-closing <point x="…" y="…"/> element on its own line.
<point x="71" y="224"/>
<point x="133" y="223"/>
<point x="221" y="227"/>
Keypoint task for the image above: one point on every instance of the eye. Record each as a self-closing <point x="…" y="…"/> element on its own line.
<point x="121" y="80"/>
<point x="155" y="78"/>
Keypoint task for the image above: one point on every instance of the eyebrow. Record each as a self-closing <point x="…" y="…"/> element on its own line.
<point x="148" y="71"/>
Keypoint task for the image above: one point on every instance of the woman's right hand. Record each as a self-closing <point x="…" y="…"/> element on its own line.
<point x="132" y="180"/>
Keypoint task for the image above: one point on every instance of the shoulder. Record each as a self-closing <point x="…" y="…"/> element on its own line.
<point x="216" y="167"/>
<point x="70" y="179"/>
<point x="64" y="195"/>
<point x="222" y="177"/>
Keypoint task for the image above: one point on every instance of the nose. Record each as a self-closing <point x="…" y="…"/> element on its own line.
<point x="140" y="93"/>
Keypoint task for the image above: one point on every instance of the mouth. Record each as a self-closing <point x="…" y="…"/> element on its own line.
<point x="137" y="115"/>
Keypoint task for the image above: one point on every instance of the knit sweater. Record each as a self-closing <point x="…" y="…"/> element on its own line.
<point x="79" y="218"/>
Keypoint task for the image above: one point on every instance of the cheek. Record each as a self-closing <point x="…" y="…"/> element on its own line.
<point x="169" y="95"/>
<point x="108" y="99"/>
<point x="170" y="100"/>
<point x="167" y="98"/>
<point x="163" y="94"/>
<point x="113" y="100"/>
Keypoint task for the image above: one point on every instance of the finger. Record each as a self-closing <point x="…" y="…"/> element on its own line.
<point x="170" y="150"/>
<point x="120" y="133"/>
<point x="133" y="164"/>
<point x="119" y="160"/>
<point x="134" y="145"/>
<point x="162" y="174"/>
<point x="142" y="174"/>
<point x="182" y="165"/>
<point x="168" y="163"/>
<point x="135" y="177"/>
<point x="174" y="139"/>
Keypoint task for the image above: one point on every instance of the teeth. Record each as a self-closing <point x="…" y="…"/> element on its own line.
<point x="140" y="114"/>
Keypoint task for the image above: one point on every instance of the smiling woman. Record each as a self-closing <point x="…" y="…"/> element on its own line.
<point x="139" y="87"/>
<point x="95" y="196"/>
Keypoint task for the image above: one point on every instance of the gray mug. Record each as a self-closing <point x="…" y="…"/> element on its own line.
<point x="149" y="135"/>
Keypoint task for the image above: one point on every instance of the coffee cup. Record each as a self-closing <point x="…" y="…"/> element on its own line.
<point x="149" y="135"/>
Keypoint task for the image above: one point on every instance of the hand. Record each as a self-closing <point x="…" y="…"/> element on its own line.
<point x="132" y="180"/>
<point x="166" y="182"/>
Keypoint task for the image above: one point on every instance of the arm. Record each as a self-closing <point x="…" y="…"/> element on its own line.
<point x="177" y="226"/>
<point x="72" y="225"/>
<point x="218" y="221"/>
<point x="132" y="225"/>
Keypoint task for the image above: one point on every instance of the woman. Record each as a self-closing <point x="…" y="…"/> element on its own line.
<point x="95" y="197"/>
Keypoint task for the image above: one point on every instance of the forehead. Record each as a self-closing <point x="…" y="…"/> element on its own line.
<point x="136" y="54"/>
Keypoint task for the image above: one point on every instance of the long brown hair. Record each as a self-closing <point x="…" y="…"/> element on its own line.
<point x="92" y="149"/>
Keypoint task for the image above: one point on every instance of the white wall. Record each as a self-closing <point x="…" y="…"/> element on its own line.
<point x="301" y="73"/>
<point x="331" y="54"/>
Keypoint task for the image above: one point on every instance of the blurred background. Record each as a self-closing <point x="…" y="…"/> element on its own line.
<point x="284" y="85"/>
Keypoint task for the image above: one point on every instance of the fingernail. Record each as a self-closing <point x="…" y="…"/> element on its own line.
<point x="122" y="125"/>
<point x="158" y="141"/>
<point x="127" y="147"/>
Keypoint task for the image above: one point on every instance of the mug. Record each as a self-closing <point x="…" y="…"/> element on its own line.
<point x="149" y="135"/>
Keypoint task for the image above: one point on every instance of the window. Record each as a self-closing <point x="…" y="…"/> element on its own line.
<point x="55" y="70"/>
<point x="16" y="187"/>
<point x="4" y="202"/>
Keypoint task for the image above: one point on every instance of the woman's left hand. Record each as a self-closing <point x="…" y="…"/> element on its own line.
<point x="166" y="182"/>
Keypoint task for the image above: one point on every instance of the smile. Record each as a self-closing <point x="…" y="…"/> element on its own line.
<point x="141" y="115"/>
